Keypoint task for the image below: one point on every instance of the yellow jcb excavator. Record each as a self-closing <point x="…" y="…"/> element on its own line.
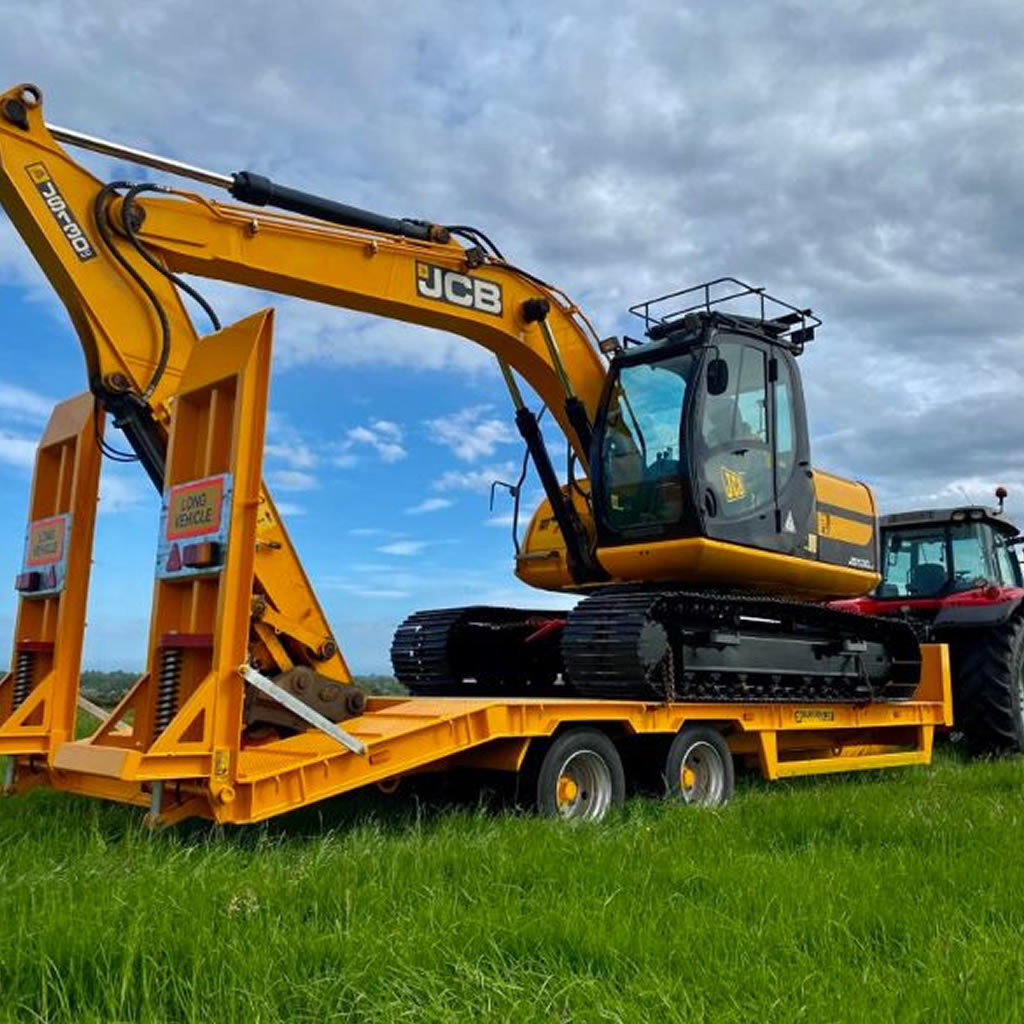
<point x="701" y="540"/>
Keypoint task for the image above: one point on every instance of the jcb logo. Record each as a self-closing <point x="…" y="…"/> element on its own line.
<point x="733" y="484"/>
<point x="458" y="289"/>
<point x="62" y="214"/>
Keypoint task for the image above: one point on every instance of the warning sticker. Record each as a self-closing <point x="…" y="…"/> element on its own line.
<point x="45" y="543"/>
<point x="195" y="509"/>
<point x="194" y="527"/>
<point x="46" y="552"/>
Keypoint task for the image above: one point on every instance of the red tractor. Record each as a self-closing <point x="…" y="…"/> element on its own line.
<point x="954" y="575"/>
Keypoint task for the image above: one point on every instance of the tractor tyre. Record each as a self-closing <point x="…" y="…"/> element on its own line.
<point x="988" y="688"/>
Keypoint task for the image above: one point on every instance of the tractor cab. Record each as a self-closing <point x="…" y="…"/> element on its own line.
<point x="933" y="554"/>
<point x="947" y="568"/>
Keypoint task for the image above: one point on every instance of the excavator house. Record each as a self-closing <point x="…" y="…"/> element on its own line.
<point x="702" y="543"/>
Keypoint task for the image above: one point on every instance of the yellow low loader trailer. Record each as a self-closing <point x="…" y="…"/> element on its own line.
<point x="177" y="743"/>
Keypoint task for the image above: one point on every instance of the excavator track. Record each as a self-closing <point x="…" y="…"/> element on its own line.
<point x="642" y="643"/>
<point x="480" y="651"/>
<point x="670" y="645"/>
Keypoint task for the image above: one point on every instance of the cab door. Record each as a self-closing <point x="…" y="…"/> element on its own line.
<point x="752" y="472"/>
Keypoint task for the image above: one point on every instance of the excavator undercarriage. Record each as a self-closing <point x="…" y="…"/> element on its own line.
<point x="643" y="643"/>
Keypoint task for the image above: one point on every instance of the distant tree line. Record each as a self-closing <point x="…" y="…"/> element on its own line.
<point x="107" y="688"/>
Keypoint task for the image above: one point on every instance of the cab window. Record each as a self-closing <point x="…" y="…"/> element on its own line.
<point x="785" y="425"/>
<point x="737" y="463"/>
<point x="642" y="452"/>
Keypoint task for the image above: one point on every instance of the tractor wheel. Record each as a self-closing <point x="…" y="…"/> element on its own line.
<point x="698" y="768"/>
<point x="581" y="776"/>
<point x="988" y="697"/>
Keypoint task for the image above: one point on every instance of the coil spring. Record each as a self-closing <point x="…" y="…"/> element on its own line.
<point x="23" y="672"/>
<point x="167" y="694"/>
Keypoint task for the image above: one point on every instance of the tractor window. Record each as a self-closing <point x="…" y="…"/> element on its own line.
<point x="642" y="458"/>
<point x="972" y="559"/>
<point x="1009" y="567"/>
<point x="914" y="563"/>
<point x="737" y="464"/>
<point x="932" y="561"/>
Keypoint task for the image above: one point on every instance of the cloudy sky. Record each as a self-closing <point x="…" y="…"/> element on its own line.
<point x="861" y="158"/>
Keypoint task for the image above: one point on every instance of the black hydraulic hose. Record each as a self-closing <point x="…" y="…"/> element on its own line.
<point x="106" y="449"/>
<point x="99" y="210"/>
<point x="131" y="231"/>
<point x="477" y="237"/>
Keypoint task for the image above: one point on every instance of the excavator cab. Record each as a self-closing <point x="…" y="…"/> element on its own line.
<point x="702" y="431"/>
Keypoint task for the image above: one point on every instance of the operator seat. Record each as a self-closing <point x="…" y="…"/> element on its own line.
<point x="927" y="580"/>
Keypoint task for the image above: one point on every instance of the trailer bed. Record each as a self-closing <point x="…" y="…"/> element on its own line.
<point x="405" y="735"/>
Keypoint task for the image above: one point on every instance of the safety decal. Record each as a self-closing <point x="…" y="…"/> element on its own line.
<point x="194" y="524"/>
<point x="44" y="566"/>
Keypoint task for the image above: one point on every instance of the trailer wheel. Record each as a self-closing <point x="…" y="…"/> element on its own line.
<point x="989" y="689"/>
<point x="699" y="768"/>
<point x="580" y="777"/>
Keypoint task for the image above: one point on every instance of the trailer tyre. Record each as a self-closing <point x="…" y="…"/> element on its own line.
<point x="699" y="768"/>
<point x="989" y="689"/>
<point x="580" y="777"/>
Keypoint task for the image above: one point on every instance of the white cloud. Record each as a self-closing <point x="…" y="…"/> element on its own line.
<point x="477" y="480"/>
<point x="404" y="548"/>
<point x="471" y="433"/>
<point x="17" y="451"/>
<point x="120" y="493"/>
<point x="503" y="519"/>
<point x="20" y="403"/>
<point x="297" y="456"/>
<point x="383" y="436"/>
<point x="322" y="336"/>
<point x="290" y="508"/>
<point x="291" y="480"/>
<point x="429" y="505"/>
<point x="287" y="444"/>
<point x="360" y="590"/>
<point x="372" y="531"/>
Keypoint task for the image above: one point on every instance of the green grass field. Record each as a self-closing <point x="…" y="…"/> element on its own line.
<point x="884" y="896"/>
